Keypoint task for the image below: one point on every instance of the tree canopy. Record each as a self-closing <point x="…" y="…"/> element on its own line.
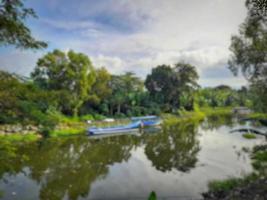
<point x="173" y="86"/>
<point x="249" y="50"/>
<point x="13" y="30"/>
<point x="72" y="73"/>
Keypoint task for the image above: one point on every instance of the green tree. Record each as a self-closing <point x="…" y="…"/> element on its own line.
<point x="13" y="30"/>
<point x="173" y="87"/>
<point x="72" y="73"/>
<point x="249" y="53"/>
<point x="23" y="102"/>
<point x="124" y="92"/>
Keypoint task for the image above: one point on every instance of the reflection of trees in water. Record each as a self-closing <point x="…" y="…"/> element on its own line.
<point x="176" y="147"/>
<point x="217" y="121"/>
<point x="68" y="167"/>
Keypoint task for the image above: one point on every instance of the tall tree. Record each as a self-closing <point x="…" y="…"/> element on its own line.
<point x="172" y="86"/>
<point x="70" y="72"/>
<point x="13" y="30"/>
<point x="249" y="50"/>
<point x="124" y="87"/>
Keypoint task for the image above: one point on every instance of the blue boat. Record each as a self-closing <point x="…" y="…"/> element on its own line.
<point x="148" y="121"/>
<point x="137" y="123"/>
<point x="134" y="126"/>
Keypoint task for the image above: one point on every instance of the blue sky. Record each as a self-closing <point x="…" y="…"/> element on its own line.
<point x="136" y="35"/>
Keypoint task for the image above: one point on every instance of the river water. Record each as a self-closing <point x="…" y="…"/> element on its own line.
<point x="177" y="162"/>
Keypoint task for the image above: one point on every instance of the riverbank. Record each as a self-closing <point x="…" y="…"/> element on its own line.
<point x="75" y="126"/>
<point x="252" y="186"/>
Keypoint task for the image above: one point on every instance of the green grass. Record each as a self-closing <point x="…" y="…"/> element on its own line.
<point x="258" y="115"/>
<point x="17" y="137"/>
<point x="225" y="185"/>
<point x="249" y="136"/>
<point x="195" y="116"/>
<point x="184" y="117"/>
<point x="259" y="158"/>
<point x="209" y="111"/>
<point x="231" y="183"/>
<point x="65" y="132"/>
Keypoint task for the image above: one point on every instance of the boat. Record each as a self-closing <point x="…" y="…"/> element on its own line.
<point x="132" y="127"/>
<point x="148" y="121"/>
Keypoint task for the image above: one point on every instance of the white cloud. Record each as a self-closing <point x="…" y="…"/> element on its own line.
<point x="113" y="64"/>
<point x="160" y="32"/>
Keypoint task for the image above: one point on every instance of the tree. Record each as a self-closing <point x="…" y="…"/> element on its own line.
<point x="249" y="52"/>
<point x="100" y="89"/>
<point x="173" y="87"/>
<point x="13" y="30"/>
<point x="72" y="73"/>
<point x="124" y="92"/>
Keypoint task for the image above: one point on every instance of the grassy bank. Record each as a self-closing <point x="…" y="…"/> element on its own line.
<point x="230" y="188"/>
<point x="77" y="125"/>
<point x="195" y="116"/>
<point x="17" y="137"/>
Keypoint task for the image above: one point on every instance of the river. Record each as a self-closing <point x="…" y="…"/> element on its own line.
<point x="177" y="162"/>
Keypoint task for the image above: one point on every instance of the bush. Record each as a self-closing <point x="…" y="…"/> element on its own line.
<point x="87" y="117"/>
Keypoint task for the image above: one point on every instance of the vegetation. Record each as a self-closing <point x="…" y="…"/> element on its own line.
<point x="249" y="55"/>
<point x="17" y="137"/>
<point x="249" y="136"/>
<point x="173" y="88"/>
<point x="230" y="184"/>
<point x="13" y="30"/>
<point x="259" y="157"/>
<point x="66" y="88"/>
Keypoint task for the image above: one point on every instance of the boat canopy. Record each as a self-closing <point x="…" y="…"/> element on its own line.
<point x="145" y="118"/>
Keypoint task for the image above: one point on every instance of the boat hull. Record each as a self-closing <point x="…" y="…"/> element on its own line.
<point x="133" y="127"/>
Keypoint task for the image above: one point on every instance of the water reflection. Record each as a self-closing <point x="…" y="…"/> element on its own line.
<point x="215" y="122"/>
<point x="79" y="167"/>
<point x="65" y="166"/>
<point x="176" y="147"/>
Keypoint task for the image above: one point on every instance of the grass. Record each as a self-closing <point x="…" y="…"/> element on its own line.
<point x="249" y="136"/>
<point x="259" y="157"/>
<point x="17" y="137"/>
<point x="231" y="183"/>
<point x="197" y="115"/>
<point x="65" y="132"/>
<point x="258" y="115"/>
<point x="224" y="185"/>
<point x="209" y="111"/>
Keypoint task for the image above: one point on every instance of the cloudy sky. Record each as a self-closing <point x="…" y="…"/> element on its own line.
<point x="136" y="35"/>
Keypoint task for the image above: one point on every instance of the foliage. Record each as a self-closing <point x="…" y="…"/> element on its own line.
<point x="218" y="111"/>
<point x="65" y="132"/>
<point x="25" y="103"/>
<point x="18" y="137"/>
<point x="222" y="96"/>
<point x="259" y="157"/>
<point x="249" y="136"/>
<point x="152" y="196"/>
<point x="71" y="73"/>
<point x="249" y="54"/>
<point x="225" y="185"/>
<point x="173" y="87"/>
<point x="13" y="30"/>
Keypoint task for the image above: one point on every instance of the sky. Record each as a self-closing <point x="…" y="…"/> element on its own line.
<point x="136" y="35"/>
